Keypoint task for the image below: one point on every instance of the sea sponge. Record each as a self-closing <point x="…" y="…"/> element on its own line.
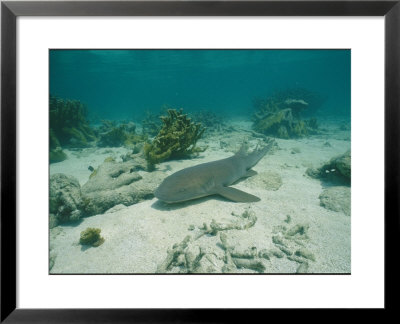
<point x="91" y="236"/>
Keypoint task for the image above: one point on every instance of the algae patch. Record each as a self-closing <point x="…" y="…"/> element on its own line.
<point x="91" y="236"/>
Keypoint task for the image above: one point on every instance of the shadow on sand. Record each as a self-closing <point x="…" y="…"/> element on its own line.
<point x="160" y="205"/>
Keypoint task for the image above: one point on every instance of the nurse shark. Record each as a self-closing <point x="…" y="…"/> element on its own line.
<point x="213" y="178"/>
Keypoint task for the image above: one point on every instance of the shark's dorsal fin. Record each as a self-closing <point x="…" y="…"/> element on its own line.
<point x="236" y="195"/>
<point x="243" y="149"/>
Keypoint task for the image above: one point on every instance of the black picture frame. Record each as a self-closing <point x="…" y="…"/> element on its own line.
<point x="10" y="10"/>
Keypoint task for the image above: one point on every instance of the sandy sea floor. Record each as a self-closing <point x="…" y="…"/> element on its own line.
<point x="137" y="237"/>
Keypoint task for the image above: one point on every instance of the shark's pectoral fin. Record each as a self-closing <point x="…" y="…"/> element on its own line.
<point x="236" y="195"/>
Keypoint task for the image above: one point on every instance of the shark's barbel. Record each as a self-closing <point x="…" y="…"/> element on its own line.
<point x="212" y="178"/>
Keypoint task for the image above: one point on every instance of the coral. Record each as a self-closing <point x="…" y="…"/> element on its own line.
<point x="302" y="268"/>
<point x="343" y="164"/>
<point x="280" y="115"/>
<point x="176" y="139"/>
<point x="65" y="199"/>
<point x="235" y="259"/>
<point x="305" y="254"/>
<point x="336" y="170"/>
<point x="273" y="121"/>
<point x="57" y="155"/>
<point x="296" y="97"/>
<point x="284" y="125"/>
<point x="173" y="254"/>
<point x="114" y="183"/>
<point x="54" y="142"/>
<point x="283" y="132"/>
<point x="265" y="107"/>
<point x="297" y="105"/>
<point x="300" y="129"/>
<point x="91" y="236"/>
<point x="244" y="221"/>
<point x="113" y="135"/>
<point x="68" y="123"/>
<point x="291" y="243"/>
<point x="225" y="255"/>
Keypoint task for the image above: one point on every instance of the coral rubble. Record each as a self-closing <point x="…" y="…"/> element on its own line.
<point x="191" y="256"/>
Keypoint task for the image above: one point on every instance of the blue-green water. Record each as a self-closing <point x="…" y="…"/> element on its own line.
<point x="101" y="172"/>
<point x="122" y="84"/>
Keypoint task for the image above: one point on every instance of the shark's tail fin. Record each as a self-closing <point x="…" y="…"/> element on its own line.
<point x="258" y="153"/>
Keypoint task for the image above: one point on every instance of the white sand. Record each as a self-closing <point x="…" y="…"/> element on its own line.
<point x="137" y="237"/>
